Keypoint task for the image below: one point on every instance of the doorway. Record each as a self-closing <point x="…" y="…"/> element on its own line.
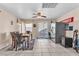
<point x="43" y="30"/>
<point x="23" y="27"/>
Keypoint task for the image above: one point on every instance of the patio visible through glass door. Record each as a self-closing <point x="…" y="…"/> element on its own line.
<point x="43" y="30"/>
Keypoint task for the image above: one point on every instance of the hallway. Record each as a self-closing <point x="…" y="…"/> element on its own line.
<point x="42" y="47"/>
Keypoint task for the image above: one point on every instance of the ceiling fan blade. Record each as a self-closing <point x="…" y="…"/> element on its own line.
<point x="34" y="16"/>
<point x="43" y="16"/>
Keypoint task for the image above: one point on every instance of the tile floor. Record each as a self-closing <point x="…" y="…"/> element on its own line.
<point x="42" y="47"/>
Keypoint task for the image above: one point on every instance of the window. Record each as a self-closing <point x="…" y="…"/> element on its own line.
<point x="28" y="27"/>
<point x="70" y="28"/>
<point x="66" y="26"/>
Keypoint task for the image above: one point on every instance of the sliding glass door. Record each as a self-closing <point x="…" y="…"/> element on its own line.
<point x="43" y="30"/>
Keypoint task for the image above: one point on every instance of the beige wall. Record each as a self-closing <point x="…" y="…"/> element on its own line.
<point x="74" y="13"/>
<point x="6" y="27"/>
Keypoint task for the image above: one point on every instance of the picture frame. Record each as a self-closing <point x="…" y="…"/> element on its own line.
<point x="17" y="20"/>
<point x="34" y="25"/>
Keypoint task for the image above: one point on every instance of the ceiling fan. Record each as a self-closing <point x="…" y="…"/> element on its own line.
<point x="39" y="14"/>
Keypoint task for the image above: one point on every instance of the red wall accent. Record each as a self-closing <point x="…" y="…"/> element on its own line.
<point x="68" y="20"/>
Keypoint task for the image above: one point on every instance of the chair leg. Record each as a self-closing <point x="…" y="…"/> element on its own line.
<point x="77" y="50"/>
<point x="12" y="44"/>
<point x="16" y="46"/>
<point x="24" y="45"/>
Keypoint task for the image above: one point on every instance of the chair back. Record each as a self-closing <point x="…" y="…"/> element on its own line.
<point x="13" y="36"/>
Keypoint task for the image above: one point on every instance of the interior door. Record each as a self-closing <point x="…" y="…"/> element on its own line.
<point x="60" y="32"/>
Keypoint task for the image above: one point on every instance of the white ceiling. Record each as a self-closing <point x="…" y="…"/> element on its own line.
<point x="26" y="10"/>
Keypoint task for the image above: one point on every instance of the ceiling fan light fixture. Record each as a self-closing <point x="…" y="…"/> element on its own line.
<point x="39" y="14"/>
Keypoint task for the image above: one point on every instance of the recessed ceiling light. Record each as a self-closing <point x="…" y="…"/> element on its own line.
<point x="49" y="5"/>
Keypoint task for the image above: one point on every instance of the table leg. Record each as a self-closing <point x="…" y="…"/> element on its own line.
<point x="28" y="42"/>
